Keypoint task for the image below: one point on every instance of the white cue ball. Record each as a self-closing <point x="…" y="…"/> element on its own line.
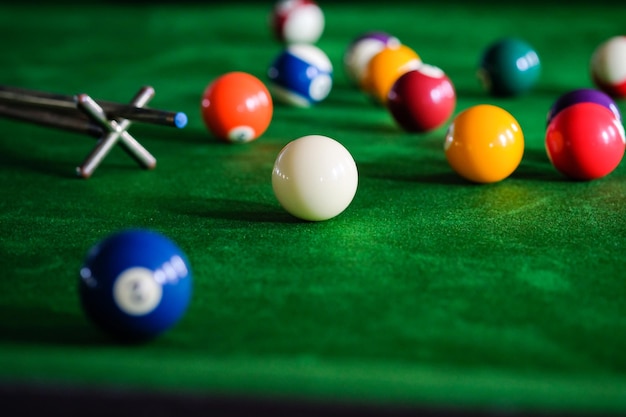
<point x="314" y="178"/>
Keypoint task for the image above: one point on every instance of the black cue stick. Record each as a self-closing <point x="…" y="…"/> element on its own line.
<point x="49" y="118"/>
<point x="40" y="99"/>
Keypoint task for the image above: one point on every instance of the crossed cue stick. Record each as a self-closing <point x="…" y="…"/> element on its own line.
<point x="105" y="120"/>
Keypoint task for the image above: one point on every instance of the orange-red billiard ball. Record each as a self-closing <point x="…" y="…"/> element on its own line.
<point x="386" y="67"/>
<point x="237" y="107"/>
<point x="484" y="144"/>
<point x="585" y="141"/>
<point x="422" y="100"/>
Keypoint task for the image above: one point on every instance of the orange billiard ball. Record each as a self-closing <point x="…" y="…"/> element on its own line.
<point x="237" y="107"/>
<point x="386" y="67"/>
<point x="484" y="144"/>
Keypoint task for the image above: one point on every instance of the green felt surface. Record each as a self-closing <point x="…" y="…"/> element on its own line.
<point x="427" y="289"/>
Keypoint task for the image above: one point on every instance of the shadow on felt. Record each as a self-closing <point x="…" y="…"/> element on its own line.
<point x="20" y="161"/>
<point x="425" y="170"/>
<point x="43" y="326"/>
<point x="536" y="166"/>
<point x="233" y="210"/>
<point x="59" y="164"/>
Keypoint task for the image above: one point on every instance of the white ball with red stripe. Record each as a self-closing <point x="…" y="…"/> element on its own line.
<point x="297" y="21"/>
<point x="608" y="66"/>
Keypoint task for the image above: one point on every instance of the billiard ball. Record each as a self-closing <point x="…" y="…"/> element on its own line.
<point x="301" y="75"/>
<point x="509" y="67"/>
<point x="484" y="144"/>
<point x="422" y="100"/>
<point x="583" y="95"/>
<point x="585" y="141"/>
<point x="297" y="21"/>
<point x="237" y="107"/>
<point x="314" y="178"/>
<point x="608" y="66"/>
<point x="386" y="67"/>
<point x="361" y="50"/>
<point x="135" y="284"/>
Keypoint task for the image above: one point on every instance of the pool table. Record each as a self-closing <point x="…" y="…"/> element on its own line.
<point x="428" y="295"/>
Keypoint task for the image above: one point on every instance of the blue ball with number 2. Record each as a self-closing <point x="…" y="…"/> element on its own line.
<point x="135" y="284"/>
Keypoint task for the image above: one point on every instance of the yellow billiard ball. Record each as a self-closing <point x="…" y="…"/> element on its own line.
<point x="484" y="144"/>
<point x="386" y="67"/>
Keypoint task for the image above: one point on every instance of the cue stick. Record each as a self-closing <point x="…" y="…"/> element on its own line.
<point x="111" y="109"/>
<point x="52" y="119"/>
<point x="117" y="132"/>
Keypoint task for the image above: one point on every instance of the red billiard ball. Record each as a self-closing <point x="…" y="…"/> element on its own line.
<point x="585" y="141"/>
<point x="237" y="107"/>
<point x="422" y="100"/>
<point x="608" y="66"/>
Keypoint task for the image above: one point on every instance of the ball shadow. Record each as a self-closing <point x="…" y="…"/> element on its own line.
<point x="428" y="169"/>
<point x="536" y="166"/>
<point x="232" y="210"/>
<point x="423" y="170"/>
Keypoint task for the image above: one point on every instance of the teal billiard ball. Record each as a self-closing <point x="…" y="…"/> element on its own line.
<point x="301" y="75"/>
<point x="135" y="284"/>
<point x="509" y="67"/>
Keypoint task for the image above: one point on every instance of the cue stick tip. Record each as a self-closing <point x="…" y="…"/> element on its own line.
<point x="180" y="120"/>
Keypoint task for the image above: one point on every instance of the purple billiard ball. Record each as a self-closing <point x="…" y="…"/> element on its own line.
<point x="583" y="95"/>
